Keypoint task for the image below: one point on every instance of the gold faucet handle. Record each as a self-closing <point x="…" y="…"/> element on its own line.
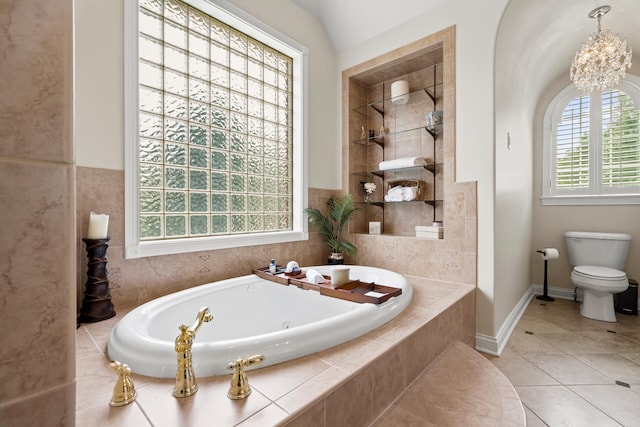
<point x="253" y="360"/>
<point x="123" y="392"/>
<point x="239" y="388"/>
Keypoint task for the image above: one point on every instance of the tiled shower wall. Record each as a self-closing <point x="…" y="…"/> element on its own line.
<point x="37" y="344"/>
<point x="136" y="281"/>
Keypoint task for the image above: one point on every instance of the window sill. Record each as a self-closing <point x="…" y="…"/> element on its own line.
<point x="177" y="246"/>
<point x="590" y="200"/>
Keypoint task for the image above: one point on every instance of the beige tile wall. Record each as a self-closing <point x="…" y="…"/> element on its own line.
<point x="452" y="259"/>
<point x="135" y="281"/>
<point x="37" y="358"/>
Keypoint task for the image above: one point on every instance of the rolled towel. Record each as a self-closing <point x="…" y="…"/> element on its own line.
<point x="403" y="162"/>
<point x="292" y="267"/>
<point x="409" y="193"/>
<point x="401" y="194"/>
<point x="314" y="277"/>
<point x="394" y="194"/>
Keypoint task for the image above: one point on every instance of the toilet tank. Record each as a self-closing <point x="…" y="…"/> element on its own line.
<point x="601" y="249"/>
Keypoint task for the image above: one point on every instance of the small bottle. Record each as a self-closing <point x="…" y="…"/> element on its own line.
<point x="272" y="267"/>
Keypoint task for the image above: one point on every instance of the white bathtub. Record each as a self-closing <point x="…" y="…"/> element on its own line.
<point x="250" y="316"/>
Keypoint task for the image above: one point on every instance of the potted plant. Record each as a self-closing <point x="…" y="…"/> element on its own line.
<point x="338" y="212"/>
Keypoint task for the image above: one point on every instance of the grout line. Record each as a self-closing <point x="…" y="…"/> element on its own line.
<point x="144" y="413"/>
<point x="536" y="415"/>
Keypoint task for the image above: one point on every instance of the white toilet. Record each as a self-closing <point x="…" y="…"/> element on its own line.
<point x="598" y="260"/>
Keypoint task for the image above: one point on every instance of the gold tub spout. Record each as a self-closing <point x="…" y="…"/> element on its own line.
<point x="186" y="384"/>
<point x="239" y="388"/>
<point x="123" y="392"/>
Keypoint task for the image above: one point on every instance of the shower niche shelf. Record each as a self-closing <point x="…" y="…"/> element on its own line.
<point x="403" y="133"/>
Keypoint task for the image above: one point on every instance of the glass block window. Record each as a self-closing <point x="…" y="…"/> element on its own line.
<point x="592" y="146"/>
<point x="215" y="127"/>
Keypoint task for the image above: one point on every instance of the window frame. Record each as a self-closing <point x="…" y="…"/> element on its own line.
<point x="594" y="195"/>
<point x="237" y="18"/>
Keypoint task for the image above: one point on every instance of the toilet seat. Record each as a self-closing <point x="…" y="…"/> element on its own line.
<point x="599" y="280"/>
<point x="597" y="272"/>
<point x="599" y="284"/>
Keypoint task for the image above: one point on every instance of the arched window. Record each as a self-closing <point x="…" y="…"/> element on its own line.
<point x="592" y="146"/>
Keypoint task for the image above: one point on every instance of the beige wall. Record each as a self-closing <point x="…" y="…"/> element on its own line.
<point x="513" y="175"/>
<point x="37" y="352"/>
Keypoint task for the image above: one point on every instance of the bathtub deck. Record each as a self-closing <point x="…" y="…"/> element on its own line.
<point x="351" y="384"/>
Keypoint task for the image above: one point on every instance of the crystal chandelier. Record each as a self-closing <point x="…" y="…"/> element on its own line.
<point x="602" y="60"/>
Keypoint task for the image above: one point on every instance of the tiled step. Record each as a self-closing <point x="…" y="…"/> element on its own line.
<point x="459" y="388"/>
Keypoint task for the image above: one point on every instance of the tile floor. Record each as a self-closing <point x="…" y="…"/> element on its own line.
<point x="565" y="367"/>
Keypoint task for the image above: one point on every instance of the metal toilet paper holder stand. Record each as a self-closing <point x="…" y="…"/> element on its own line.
<point x="545" y="296"/>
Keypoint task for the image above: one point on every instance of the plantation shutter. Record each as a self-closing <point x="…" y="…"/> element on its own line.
<point x="572" y="146"/>
<point x="620" y="141"/>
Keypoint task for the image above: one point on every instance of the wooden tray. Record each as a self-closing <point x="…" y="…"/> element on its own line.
<point x="298" y="279"/>
<point x="279" y="277"/>
<point x="361" y="292"/>
<point x="355" y="290"/>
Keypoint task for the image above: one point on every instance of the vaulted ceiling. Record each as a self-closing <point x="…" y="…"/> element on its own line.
<point x="539" y="36"/>
<point x="350" y="22"/>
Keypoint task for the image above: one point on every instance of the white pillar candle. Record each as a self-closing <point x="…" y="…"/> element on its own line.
<point x="400" y="92"/>
<point x="339" y="275"/>
<point x="98" y="226"/>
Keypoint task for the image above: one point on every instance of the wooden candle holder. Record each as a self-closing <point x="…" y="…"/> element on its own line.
<point x="96" y="303"/>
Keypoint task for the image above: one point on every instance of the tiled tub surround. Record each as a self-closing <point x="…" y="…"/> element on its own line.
<point x="460" y="388"/>
<point x="350" y="384"/>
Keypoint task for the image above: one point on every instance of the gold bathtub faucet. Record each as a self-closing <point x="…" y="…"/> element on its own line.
<point x="186" y="384"/>
<point x="124" y="391"/>
<point x="239" y="388"/>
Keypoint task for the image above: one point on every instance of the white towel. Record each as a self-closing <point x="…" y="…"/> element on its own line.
<point x="292" y="267"/>
<point x="314" y="277"/>
<point x="394" y="194"/>
<point x="401" y="194"/>
<point x="409" y="193"/>
<point x="403" y="162"/>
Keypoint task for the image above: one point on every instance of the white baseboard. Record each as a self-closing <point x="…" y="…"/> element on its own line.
<point x="495" y="345"/>
<point x="564" y="293"/>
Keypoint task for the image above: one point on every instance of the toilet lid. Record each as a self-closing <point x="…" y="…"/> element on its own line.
<point x="596" y="271"/>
